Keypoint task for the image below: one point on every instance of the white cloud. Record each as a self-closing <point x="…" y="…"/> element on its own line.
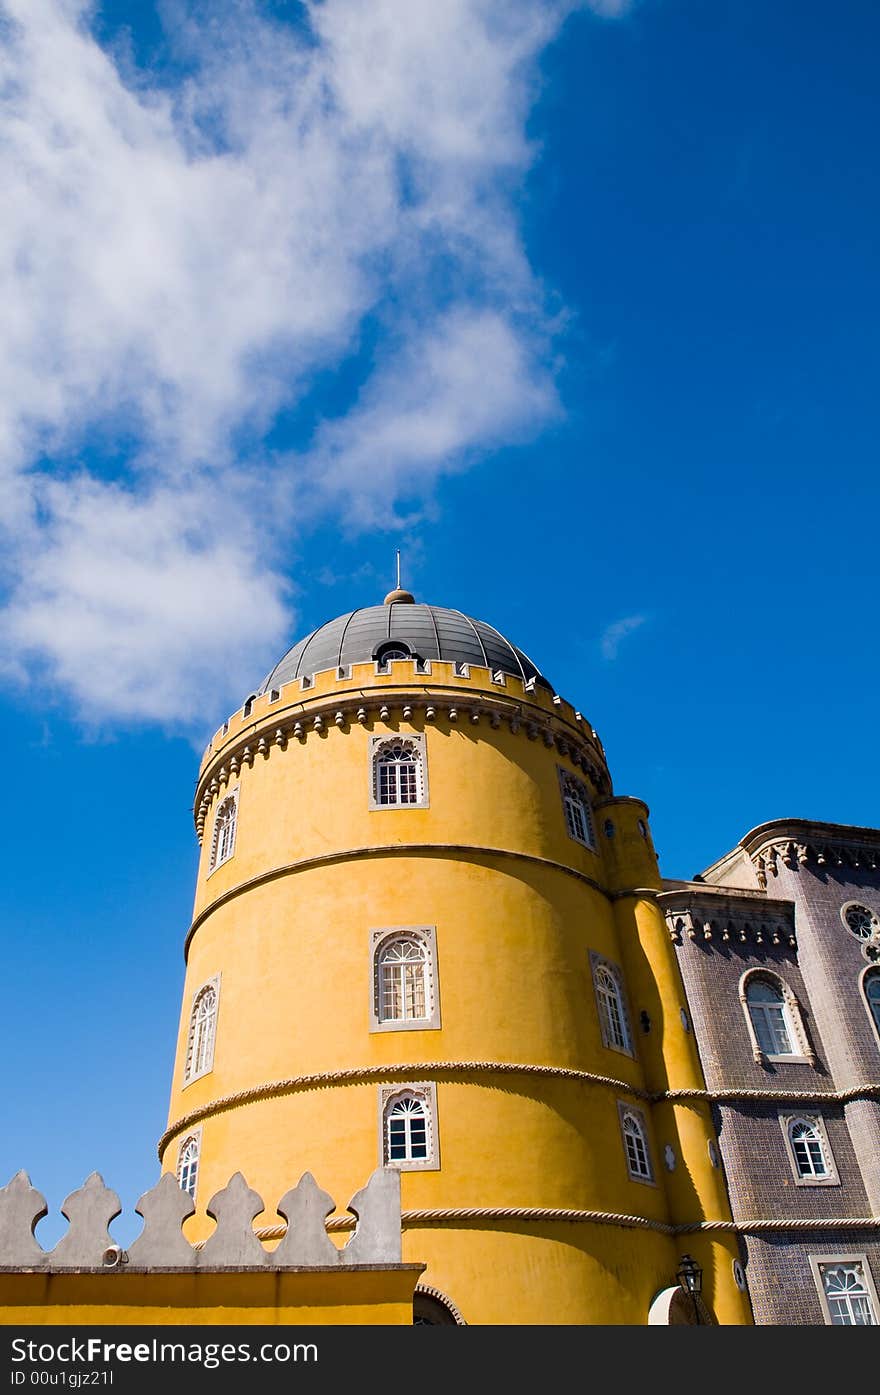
<point x="471" y="381"/>
<point x="150" y="607"/>
<point x="614" y="635"/>
<point x="182" y="251"/>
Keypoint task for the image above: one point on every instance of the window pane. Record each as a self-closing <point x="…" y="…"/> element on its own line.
<point x="848" y="1300"/>
<point x="771" y="1029"/>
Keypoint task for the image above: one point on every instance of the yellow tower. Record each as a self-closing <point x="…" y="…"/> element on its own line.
<point x="426" y="935"/>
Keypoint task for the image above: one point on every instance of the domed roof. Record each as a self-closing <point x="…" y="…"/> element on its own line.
<point x="397" y="629"/>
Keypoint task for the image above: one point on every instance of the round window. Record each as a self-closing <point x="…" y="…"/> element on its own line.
<point x="739" y="1275"/>
<point x="859" y="921"/>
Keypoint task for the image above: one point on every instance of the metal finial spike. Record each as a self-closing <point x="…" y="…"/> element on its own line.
<point x="399" y="595"/>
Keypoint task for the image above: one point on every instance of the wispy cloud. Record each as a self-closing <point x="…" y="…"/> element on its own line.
<point x="615" y="634"/>
<point x="183" y="251"/>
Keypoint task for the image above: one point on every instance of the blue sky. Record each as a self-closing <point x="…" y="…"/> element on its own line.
<point x="576" y="305"/>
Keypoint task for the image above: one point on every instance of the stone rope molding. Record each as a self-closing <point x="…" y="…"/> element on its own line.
<point x="857" y="1092"/>
<point x="365" y="1074"/>
<point x="452" y="703"/>
<point x="439" y="1215"/>
<point x="305" y="1243"/>
<point x="368" y="1073"/>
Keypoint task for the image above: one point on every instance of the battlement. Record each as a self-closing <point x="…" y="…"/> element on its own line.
<point x="304" y="1242"/>
<point x="398" y="675"/>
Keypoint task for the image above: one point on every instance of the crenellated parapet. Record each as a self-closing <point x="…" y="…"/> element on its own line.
<point x="796" y="845"/>
<point x="787" y="852"/>
<point x="702" y="913"/>
<point x="233" y="1244"/>
<point x="436" y="694"/>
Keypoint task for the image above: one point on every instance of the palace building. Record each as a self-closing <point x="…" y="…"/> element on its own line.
<point x="431" y="947"/>
<point x="429" y="936"/>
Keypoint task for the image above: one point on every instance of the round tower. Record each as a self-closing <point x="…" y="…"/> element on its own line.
<point x="426" y="935"/>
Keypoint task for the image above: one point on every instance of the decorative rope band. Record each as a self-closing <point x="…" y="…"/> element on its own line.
<point x="366" y="1073"/>
<point x="442" y="1215"/>
<point x="306" y="864"/>
<point x="858" y="1092"/>
<point x="783" y="1223"/>
<point x="355" y="1074"/>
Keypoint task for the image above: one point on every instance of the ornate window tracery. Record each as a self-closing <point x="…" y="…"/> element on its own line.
<point x="611" y="1005"/>
<point x="202" y="1031"/>
<point x="188" y="1163"/>
<point x="398" y="773"/>
<point x="408" y="1126"/>
<point x="848" y="1294"/>
<point x="635" y="1142"/>
<point x="404" y="978"/>
<point x="774" y="1018"/>
<point x="576" y="806"/>
<point x="223" y="840"/>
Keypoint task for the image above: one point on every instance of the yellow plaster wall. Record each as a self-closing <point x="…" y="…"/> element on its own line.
<point x="294" y="1297"/>
<point x="518" y="905"/>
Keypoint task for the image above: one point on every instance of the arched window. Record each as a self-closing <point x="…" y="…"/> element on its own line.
<point x="871" y="990"/>
<point x="394" y="649"/>
<point x="188" y="1164"/>
<point x="576" y="803"/>
<point x="613" y="1019"/>
<point x="202" y="1031"/>
<point x="406" y="1129"/>
<point x="848" y="1293"/>
<point x="398" y="777"/>
<point x="223" y="841"/>
<point x="770" y="1017"/>
<point x="404" y="988"/>
<point x="807" y="1148"/>
<point x="402" y="981"/>
<point x="636" y="1145"/>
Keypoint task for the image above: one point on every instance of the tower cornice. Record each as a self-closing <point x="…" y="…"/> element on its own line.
<point x="447" y="696"/>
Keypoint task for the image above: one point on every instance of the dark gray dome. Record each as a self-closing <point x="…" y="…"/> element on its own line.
<point x="423" y="631"/>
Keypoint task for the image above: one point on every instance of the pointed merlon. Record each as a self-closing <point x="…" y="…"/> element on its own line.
<point x="161" y="1242"/>
<point x="305" y="1208"/>
<point x="233" y="1244"/>
<point x="377" y="1208"/>
<point x="90" y="1211"/>
<point x="21" y="1207"/>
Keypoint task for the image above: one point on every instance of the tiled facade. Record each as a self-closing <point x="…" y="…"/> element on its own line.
<point x="772" y="910"/>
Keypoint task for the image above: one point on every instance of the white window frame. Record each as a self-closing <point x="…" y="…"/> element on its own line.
<point x="583" y="800"/>
<point x="801" y="1052"/>
<point x="819" y="1263"/>
<point x="599" y="962"/>
<point x="787" y="1121"/>
<point x="870" y="973"/>
<point x="380" y="940"/>
<point x="189" y="1074"/>
<point x="426" y="1092"/>
<point x="627" y="1111"/>
<point x="191" y="1136"/>
<point x="416" y="740"/>
<point x="231" y="796"/>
